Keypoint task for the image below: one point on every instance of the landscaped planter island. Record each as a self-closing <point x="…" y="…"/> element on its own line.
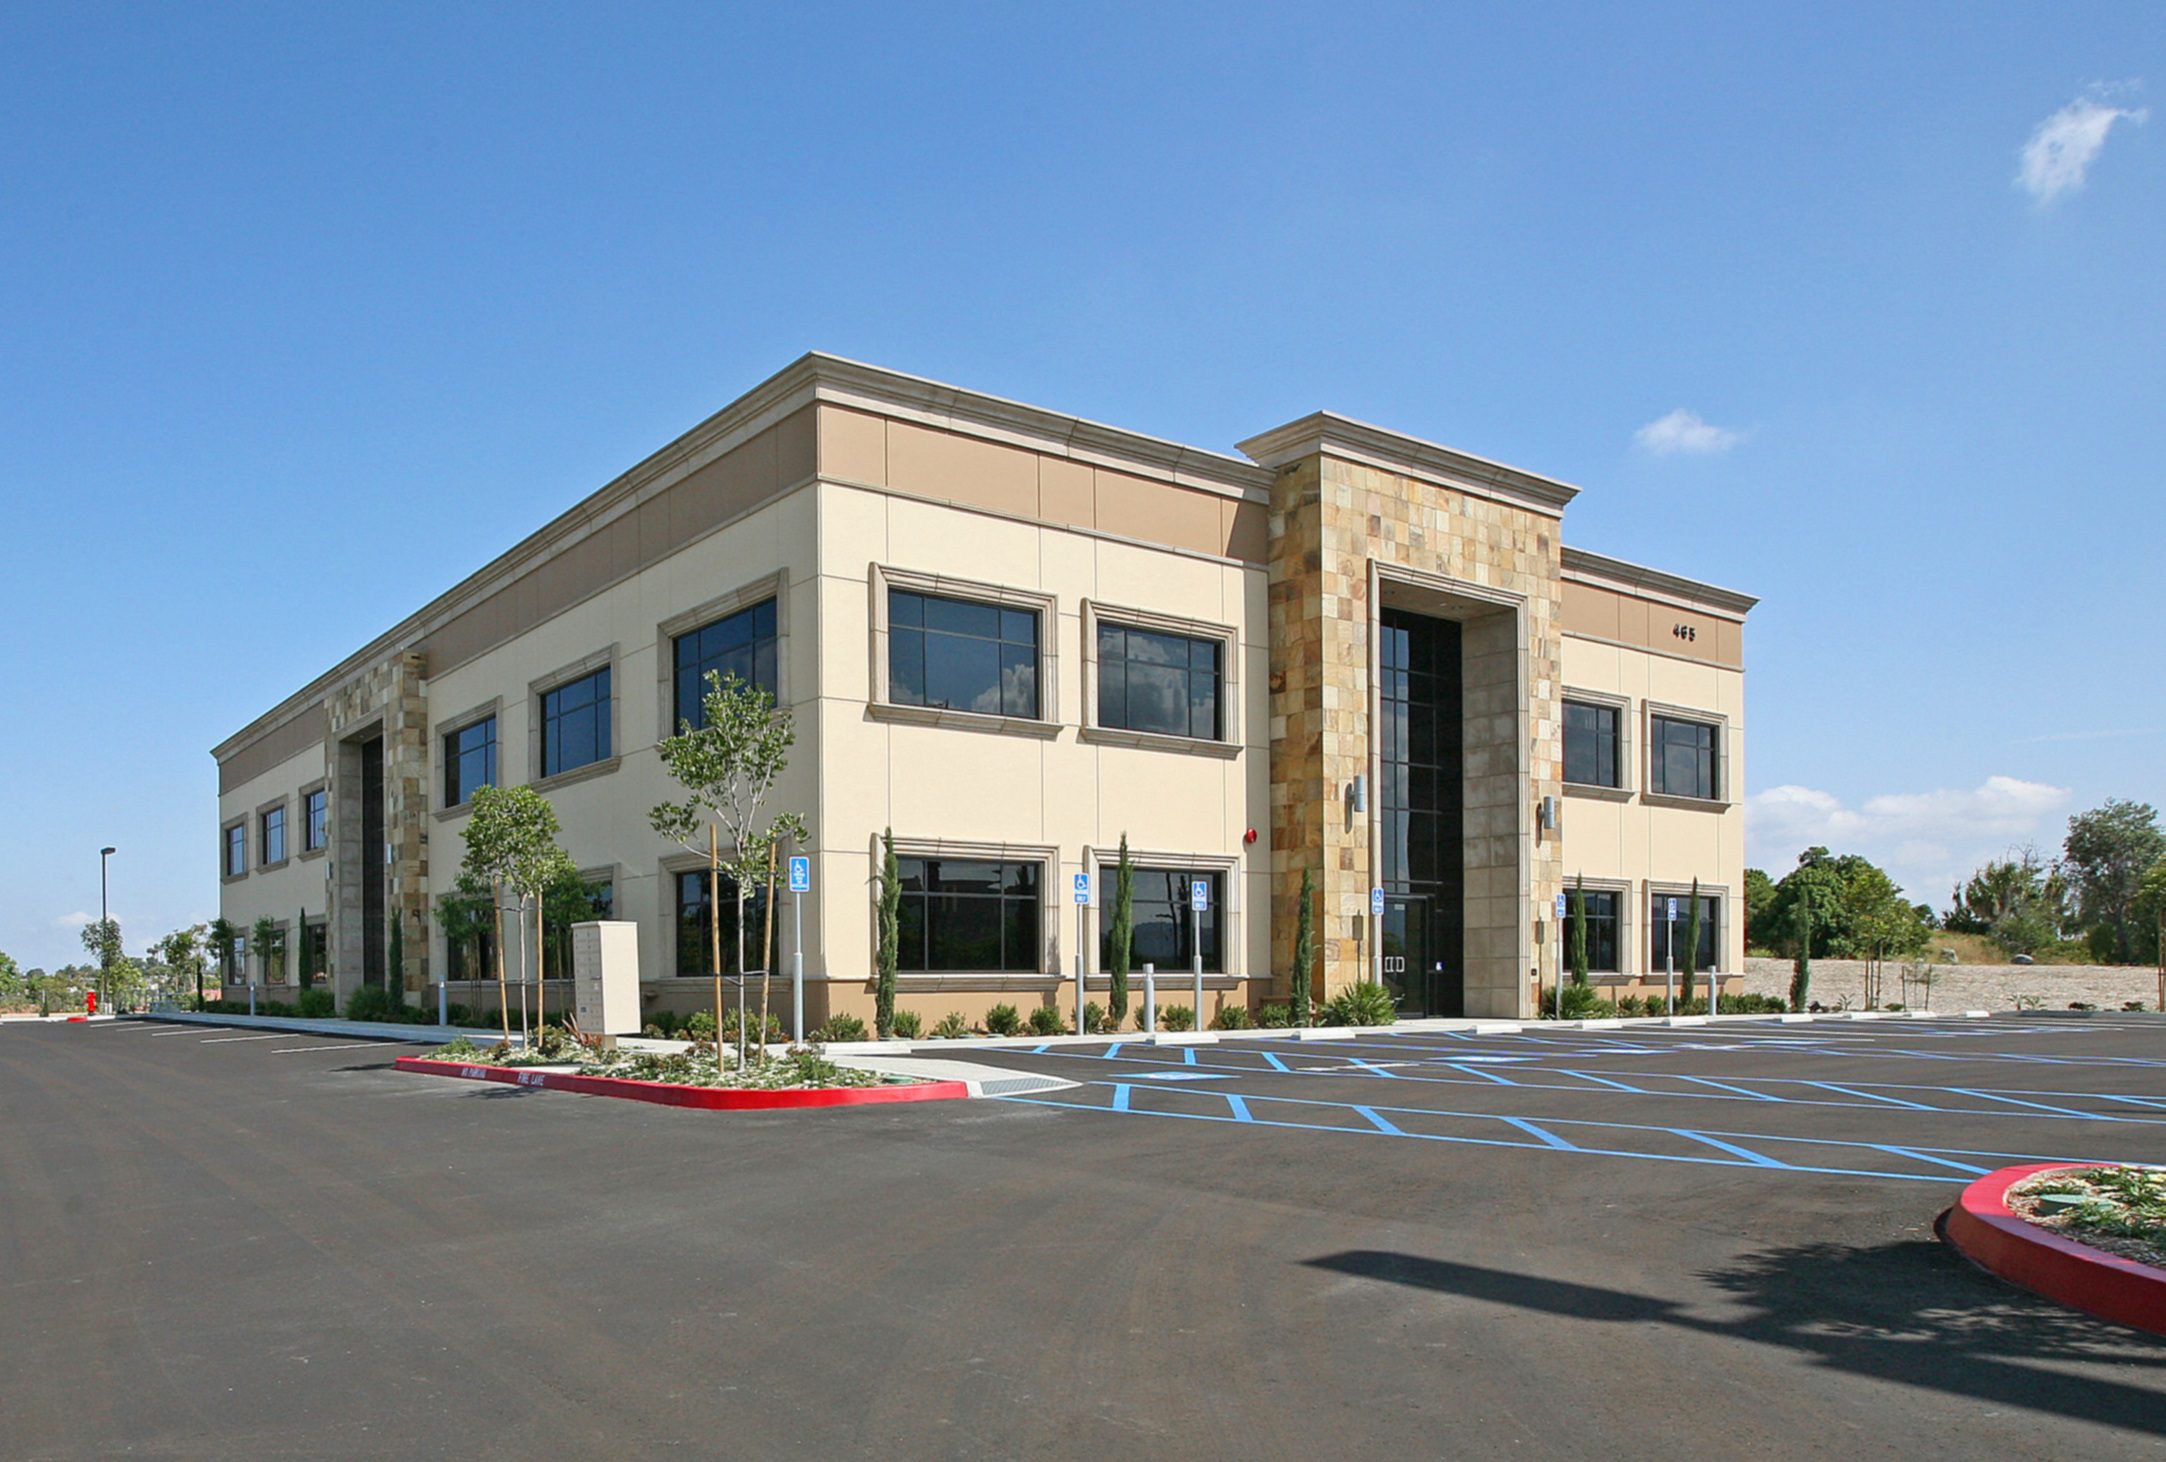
<point x="2002" y="1225"/>
<point x="796" y="1080"/>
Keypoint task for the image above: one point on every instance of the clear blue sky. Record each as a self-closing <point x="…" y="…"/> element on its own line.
<point x="306" y="312"/>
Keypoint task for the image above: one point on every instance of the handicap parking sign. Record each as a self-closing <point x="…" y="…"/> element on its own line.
<point x="1376" y="902"/>
<point x="1199" y="894"/>
<point x="800" y="875"/>
<point x="1082" y="888"/>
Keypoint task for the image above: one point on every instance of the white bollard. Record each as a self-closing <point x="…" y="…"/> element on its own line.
<point x="1150" y="999"/>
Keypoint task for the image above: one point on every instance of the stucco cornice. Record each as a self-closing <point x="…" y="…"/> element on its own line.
<point x="1327" y="433"/>
<point x="1616" y="573"/>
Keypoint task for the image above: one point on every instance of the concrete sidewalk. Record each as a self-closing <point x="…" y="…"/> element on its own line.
<point x="371" y="1030"/>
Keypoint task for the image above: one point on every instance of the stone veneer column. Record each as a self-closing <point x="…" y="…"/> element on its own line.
<point x="392" y="696"/>
<point x="1330" y="518"/>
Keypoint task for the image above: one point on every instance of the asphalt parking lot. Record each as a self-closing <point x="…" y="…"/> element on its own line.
<point x="1706" y="1241"/>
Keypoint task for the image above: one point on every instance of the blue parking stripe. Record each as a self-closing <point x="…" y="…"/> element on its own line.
<point x="1238" y="1107"/>
<point x="1912" y="1152"/>
<point x="1466" y="1070"/>
<point x="1537" y="1130"/>
<point x="1120" y="1097"/>
<point x="1755" y="1159"/>
<point x="1873" y="1096"/>
<point x="1758" y="1096"/>
<point x="1379" y="1122"/>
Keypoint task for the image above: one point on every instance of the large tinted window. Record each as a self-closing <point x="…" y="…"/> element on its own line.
<point x="274" y="835"/>
<point x="469" y="760"/>
<point x="315" y="819"/>
<point x="1658" y="920"/>
<point x="961" y="655"/>
<point x="1602" y="942"/>
<point x="1590" y="744"/>
<point x="1161" y="919"/>
<point x="575" y="723"/>
<point x="1148" y="681"/>
<point x="1684" y="758"/>
<point x="742" y="645"/>
<point x="235" y="852"/>
<point x="969" y="914"/>
<point x="695" y="925"/>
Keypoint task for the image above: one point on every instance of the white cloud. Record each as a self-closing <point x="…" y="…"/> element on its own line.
<point x="1683" y="431"/>
<point x="2060" y="152"/>
<point x="74" y="921"/>
<point x="1928" y="841"/>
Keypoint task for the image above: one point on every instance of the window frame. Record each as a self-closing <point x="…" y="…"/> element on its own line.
<point x="227" y="872"/>
<point x="674" y="869"/>
<point x="1052" y="881"/>
<point x="1718" y="729"/>
<point x="1101" y="862"/>
<point x="775" y="586"/>
<point x="1627" y="773"/>
<point x="1718" y="894"/>
<point x="882" y="705"/>
<point x="275" y="808"/>
<point x="1232" y="724"/>
<point x="538" y="692"/>
<point x="1623" y="890"/>
<point x="1221" y="917"/>
<point x="1002" y="901"/>
<point x="440" y="737"/>
<point x="308" y="794"/>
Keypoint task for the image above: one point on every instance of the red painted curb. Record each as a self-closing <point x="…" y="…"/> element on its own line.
<point x="671" y="1095"/>
<point x="1983" y="1229"/>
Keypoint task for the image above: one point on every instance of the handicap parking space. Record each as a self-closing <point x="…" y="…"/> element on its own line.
<point x="1909" y="1101"/>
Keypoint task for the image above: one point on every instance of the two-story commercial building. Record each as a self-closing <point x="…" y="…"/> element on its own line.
<point x="1014" y="638"/>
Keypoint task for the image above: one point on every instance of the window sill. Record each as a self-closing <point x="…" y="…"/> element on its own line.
<point x="1159" y="741"/>
<point x="307" y="853"/>
<point x="962" y="720"/>
<point x="225" y="878"/>
<point x="555" y="780"/>
<point x="1689" y="804"/>
<point x="961" y="980"/>
<point x="270" y="867"/>
<point x="446" y="814"/>
<point x="1597" y="792"/>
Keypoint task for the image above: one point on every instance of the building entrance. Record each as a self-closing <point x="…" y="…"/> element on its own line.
<point x="1420" y="814"/>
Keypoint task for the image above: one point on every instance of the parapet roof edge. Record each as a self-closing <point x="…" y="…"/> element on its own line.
<point x="1583" y="564"/>
<point x="814" y="375"/>
<point x="1327" y="431"/>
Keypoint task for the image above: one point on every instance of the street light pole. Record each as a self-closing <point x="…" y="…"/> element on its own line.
<point x="105" y="941"/>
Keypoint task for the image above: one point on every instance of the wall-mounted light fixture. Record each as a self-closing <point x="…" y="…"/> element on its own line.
<point x="1546" y="815"/>
<point x="1357" y="793"/>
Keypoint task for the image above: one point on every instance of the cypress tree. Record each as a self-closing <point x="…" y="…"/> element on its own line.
<point x="1579" y="931"/>
<point x="1801" y="977"/>
<point x="1122" y="936"/>
<point x="1692" y="951"/>
<point x="883" y="1007"/>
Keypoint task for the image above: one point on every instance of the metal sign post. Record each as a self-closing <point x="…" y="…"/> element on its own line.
<point x="1669" y="943"/>
<point x="1560" y="956"/>
<point x="1199" y="899"/>
<point x="1082" y="896"/>
<point x="800" y="885"/>
<point x="1376" y="932"/>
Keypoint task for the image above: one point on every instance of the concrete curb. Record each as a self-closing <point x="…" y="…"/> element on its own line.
<point x="705" y="1098"/>
<point x="1983" y="1229"/>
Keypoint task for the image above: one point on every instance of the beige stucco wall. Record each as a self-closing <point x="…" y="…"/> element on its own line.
<point x="281" y="893"/>
<point x="1656" y="847"/>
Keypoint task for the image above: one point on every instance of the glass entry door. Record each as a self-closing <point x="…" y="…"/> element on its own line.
<point x="1406" y="952"/>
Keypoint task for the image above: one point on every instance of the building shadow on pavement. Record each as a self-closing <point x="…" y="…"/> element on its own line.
<point x="1909" y="1312"/>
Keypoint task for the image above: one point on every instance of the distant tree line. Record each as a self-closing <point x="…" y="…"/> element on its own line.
<point x="2102" y="900"/>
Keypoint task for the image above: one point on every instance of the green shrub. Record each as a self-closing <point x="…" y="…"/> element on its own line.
<point x="1145" y="1014"/>
<point x="459" y="1048"/>
<point x="316" y="1005"/>
<point x="952" y="1027"/>
<point x="775" y="1033"/>
<point x="1176" y="1018"/>
<point x="1004" y="1020"/>
<point x="1094" y="1018"/>
<point x="2136" y="1005"/>
<point x="1581" y="1002"/>
<point x="840" y="1028"/>
<point x="1272" y="1016"/>
<point x="1232" y="1018"/>
<point x="698" y="1026"/>
<point x="368" y="1003"/>
<point x="1630" y="1005"/>
<point x="666" y="1023"/>
<point x="1046" y="1021"/>
<point x="907" y="1025"/>
<point x="1365" y="1003"/>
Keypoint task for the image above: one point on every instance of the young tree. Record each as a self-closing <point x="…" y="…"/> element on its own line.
<point x="1304" y="950"/>
<point x="511" y="842"/>
<point x="223" y="935"/>
<point x="1121" y="936"/>
<point x="270" y="949"/>
<point x="889" y="956"/>
<point x="11" y="978"/>
<point x="1579" y="931"/>
<point x="1801" y="976"/>
<point x="2109" y="849"/>
<point x="2151" y="917"/>
<point x="101" y="937"/>
<point x="1692" y="951"/>
<point x="728" y="769"/>
<point x="182" y="951"/>
<point x="1762" y="929"/>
